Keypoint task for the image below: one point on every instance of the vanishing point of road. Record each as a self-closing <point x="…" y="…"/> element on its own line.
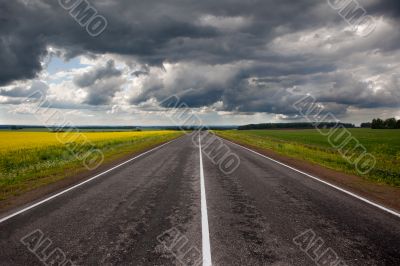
<point x="249" y="217"/>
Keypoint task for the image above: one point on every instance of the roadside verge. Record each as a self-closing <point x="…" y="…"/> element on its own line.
<point x="74" y="178"/>
<point x="376" y="192"/>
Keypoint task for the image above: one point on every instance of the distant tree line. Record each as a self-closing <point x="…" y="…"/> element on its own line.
<point x="377" y="123"/>
<point x="366" y="125"/>
<point x="15" y="128"/>
<point x="294" y="125"/>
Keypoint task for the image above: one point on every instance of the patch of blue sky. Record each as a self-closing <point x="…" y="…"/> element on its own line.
<point x="58" y="64"/>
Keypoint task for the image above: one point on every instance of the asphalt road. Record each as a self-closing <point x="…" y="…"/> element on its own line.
<point x="151" y="211"/>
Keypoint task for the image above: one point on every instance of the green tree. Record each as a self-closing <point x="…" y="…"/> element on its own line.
<point x="377" y="123"/>
<point x="366" y="125"/>
<point x="390" y="123"/>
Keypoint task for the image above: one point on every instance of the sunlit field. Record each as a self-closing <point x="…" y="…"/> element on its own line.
<point x="11" y="141"/>
<point x="311" y="146"/>
<point x="32" y="159"/>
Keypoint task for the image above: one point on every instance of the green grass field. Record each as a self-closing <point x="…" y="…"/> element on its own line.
<point x="32" y="159"/>
<point x="311" y="146"/>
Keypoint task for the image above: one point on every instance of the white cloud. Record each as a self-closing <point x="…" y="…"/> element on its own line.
<point x="225" y="23"/>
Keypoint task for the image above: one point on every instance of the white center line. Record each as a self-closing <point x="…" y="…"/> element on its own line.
<point x="204" y="216"/>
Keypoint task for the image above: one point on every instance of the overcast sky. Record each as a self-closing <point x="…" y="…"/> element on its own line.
<point x="231" y="61"/>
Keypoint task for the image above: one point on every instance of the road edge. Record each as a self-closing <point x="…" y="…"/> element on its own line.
<point x="14" y="210"/>
<point x="365" y="198"/>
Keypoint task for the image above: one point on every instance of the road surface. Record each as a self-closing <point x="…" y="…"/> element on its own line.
<point x="167" y="207"/>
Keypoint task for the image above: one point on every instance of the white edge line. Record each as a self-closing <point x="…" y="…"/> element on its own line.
<point x="204" y="216"/>
<point x="322" y="181"/>
<point x="82" y="183"/>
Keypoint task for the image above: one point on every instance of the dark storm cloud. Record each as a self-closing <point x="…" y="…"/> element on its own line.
<point x="385" y="7"/>
<point x="212" y="33"/>
<point x="153" y="31"/>
<point x="139" y="73"/>
<point x="348" y="91"/>
<point x="103" y="91"/>
<point x="21" y="47"/>
<point x="36" y="88"/>
<point x="103" y="72"/>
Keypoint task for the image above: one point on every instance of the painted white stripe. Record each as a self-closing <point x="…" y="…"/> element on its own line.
<point x="204" y="216"/>
<point x="80" y="184"/>
<point x="324" y="182"/>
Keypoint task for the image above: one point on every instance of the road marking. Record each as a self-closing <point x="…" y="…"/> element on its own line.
<point x="204" y="216"/>
<point x="80" y="184"/>
<point x="324" y="182"/>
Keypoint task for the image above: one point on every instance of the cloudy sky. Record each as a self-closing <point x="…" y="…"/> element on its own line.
<point x="230" y="61"/>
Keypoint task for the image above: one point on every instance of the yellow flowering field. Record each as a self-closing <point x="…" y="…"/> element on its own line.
<point x="32" y="159"/>
<point x="14" y="140"/>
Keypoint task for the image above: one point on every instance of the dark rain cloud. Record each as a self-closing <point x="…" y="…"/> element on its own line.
<point x="103" y="91"/>
<point x="103" y="72"/>
<point x="35" y="89"/>
<point x="152" y="31"/>
<point x="385" y="7"/>
<point x="201" y="33"/>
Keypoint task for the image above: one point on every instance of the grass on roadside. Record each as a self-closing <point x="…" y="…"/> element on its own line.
<point x="311" y="146"/>
<point x="29" y="160"/>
